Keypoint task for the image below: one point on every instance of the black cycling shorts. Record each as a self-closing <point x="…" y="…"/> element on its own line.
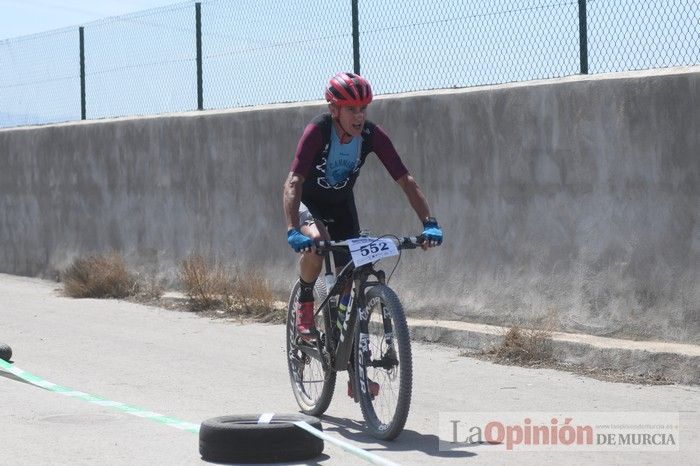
<point x="340" y="220"/>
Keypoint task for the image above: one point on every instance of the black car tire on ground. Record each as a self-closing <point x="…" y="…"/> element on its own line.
<point x="242" y="439"/>
<point x="5" y="352"/>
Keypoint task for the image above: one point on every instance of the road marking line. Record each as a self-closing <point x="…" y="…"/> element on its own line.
<point x="364" y="454"/>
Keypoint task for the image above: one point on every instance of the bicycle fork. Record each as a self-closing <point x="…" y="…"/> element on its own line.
<point x="388" y="357"/>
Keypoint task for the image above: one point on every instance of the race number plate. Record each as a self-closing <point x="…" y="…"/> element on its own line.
<point x="366" y="250"/>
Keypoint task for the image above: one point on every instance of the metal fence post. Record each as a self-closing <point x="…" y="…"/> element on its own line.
<point x="198" y="28"/>
<point x="355" y="37"/>
<point x="81" y="30"/>
<point x="583" y="35"/>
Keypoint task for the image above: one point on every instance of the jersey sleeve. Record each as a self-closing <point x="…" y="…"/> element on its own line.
<point x="307" y="149"/>
<point x="386" y="152"/>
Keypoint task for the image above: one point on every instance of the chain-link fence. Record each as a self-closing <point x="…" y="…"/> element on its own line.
<point x="639" y="34"/>
<point x="40" y="78"/>
<point x="473" y="42"/>
<point x="220" y="53"/>
<point x="257" y="52"/>
<point x="142" y="63"/>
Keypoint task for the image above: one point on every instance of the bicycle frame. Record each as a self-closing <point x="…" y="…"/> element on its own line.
<point x="356" y="305"/>
<point x="371" y="340"/>
<point x="338" y="352"/>
<point x="341" y="350"/>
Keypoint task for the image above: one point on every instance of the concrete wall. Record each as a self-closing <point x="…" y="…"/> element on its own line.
<point x="572" y="204"/>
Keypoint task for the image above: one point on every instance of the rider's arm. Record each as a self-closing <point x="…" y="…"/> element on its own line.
<point x="415" y="196"/>
<point x="431" y="231"/>
<point x="309" y="145"/>
<point x="291" y="199"/>
<point x="383" y="147"/>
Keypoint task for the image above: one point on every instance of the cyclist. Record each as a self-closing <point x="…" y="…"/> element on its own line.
<point x="328" y="158"/>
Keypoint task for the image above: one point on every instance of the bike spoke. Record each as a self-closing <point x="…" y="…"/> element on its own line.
<point x="312" y="385"/>
<point x="388" y="365"/>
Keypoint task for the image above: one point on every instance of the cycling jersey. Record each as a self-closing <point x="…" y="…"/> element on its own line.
<point x="342" y="159"/>
<point x="317" y="145"/>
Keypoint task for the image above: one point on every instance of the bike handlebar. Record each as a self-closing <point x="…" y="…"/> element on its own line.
<point x="404" y="242"/>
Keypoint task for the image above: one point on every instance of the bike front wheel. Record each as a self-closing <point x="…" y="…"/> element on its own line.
<point x="383" y="364"/>
<point x="312" y="384"/>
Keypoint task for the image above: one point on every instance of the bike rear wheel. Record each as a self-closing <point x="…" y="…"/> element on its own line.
<point x="383" y="357"/>
<point x="312" y="385"/>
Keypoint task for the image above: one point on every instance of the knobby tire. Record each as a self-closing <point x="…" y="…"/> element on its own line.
<point x="312" y="397"/>
<point x="385" y="416"/>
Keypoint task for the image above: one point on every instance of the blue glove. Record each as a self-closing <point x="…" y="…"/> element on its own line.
<point x="432" y="232"/>
<point x="298" y="241"/>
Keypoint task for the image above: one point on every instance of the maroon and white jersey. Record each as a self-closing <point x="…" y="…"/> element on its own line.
<point x="313" y="152"/>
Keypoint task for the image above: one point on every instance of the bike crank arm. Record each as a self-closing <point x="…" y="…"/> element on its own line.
<point x="384" y="363"/>
<point x="315" y="352"/>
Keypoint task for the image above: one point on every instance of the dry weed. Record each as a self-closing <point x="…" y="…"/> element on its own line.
<point x="242" y="292"/>
<point x="99" y="276"/>
<point x="525" y="346"/>
<point x="252" y="296"/>
<point x="206" y="285"/>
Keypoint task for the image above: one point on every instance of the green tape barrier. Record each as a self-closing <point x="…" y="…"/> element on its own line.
<point x="117" y="406"/>
<point x="169" y="421"/>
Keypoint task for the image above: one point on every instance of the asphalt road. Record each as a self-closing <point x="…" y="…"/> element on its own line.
<point x="193" y="368"/>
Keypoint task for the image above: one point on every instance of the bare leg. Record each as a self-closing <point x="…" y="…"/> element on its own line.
<point x="310" y="264"/>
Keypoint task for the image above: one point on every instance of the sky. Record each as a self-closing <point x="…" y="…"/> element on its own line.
<point x="22" y="17"/>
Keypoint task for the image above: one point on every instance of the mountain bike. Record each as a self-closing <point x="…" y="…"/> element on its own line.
<point x="371" y="342"/>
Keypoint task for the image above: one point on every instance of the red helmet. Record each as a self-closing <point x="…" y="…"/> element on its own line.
<point x="349" y="89"/>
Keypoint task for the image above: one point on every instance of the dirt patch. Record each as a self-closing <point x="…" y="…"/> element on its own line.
<point x="598" y="373"/>
<point x="275" y="314"/>
<point x="210" y="288"/>
<point x="532" y="348"/>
